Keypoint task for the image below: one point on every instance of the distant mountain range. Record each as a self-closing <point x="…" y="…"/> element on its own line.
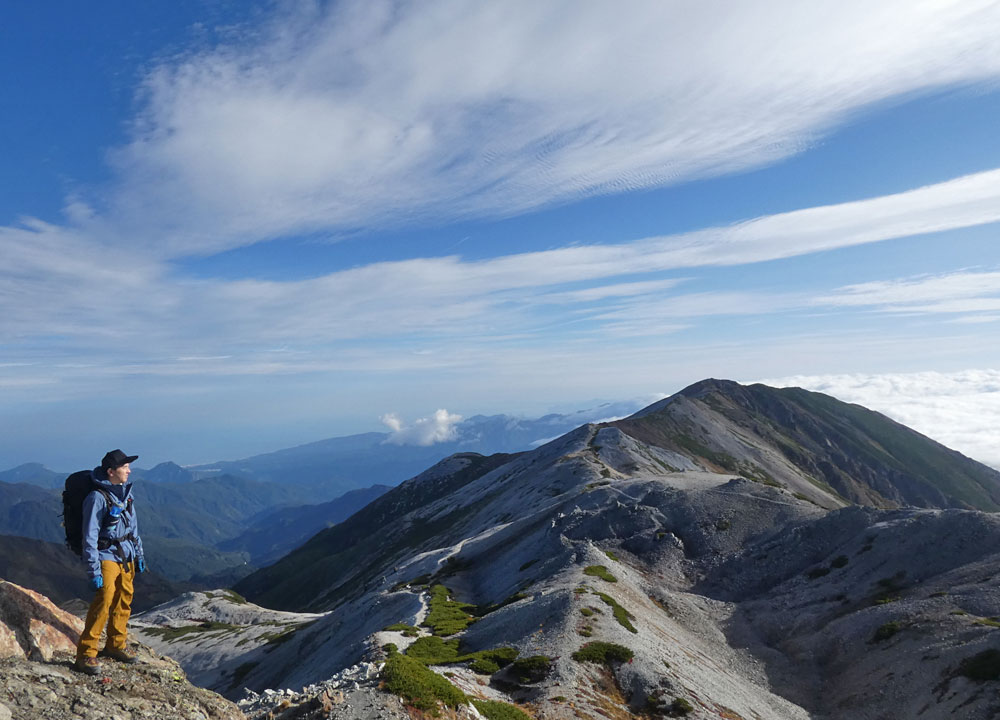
<point x="331" y="467"/>
<point x="207" y="532"/>
<point x="52" y="570"/>
<point x="213" y="524"/>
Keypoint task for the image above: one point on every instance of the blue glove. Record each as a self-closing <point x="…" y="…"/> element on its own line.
<point x="141" y="564"/>
<point x="97" y="583"/>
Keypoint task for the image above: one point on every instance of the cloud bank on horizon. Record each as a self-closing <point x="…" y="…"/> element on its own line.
<point x="960" y="410"/>
<point x="360" y="135"/>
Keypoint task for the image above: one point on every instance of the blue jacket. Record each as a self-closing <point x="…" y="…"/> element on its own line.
<point x="96" y="524"/>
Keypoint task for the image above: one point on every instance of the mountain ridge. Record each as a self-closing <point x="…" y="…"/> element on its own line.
<point x="721" y="572"/>
<point x="861" y="455"/>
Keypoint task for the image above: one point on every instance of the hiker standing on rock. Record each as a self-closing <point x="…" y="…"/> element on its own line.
<point x="112" y="551"/>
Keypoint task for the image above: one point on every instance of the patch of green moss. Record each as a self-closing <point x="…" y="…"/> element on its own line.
<point x="599" y="571"/>
<point x="623" y="616"/>
<point x="432" y="650"/>
<point x="611" y="555"/>
<point x="886" y="631"/>
<point x="586" y="612"/>
<point x="603" y="653"/>
<point x="173" y="633"/>
<point x="483" y="666"/>
<point x="680" y="707"/>
<point x="531" y="669"/>
<point x="446" y="616"/>
<point x="418" y="686"/>
<point x="495" y="710"/>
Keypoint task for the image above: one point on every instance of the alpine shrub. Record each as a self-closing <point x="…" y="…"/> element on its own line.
<point x="603" y="653"/>
<point x="531" y="669"/>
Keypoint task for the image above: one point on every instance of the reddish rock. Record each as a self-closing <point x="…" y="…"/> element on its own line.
<point x="32" y="627"/>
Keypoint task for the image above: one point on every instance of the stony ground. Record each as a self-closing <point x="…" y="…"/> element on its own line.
<point x="352" y="694"/>
<point x="154" y="689"/>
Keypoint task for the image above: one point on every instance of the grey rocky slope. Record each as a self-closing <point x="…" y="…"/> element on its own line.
<point x="718" y="547"/>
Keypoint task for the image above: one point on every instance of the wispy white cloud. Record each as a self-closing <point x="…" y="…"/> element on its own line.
<point x="441" y="427"/>
<point x="615" y="290"/>
<point x="968" y="291"/>
<point x="382" y="112"/>
<point x="972" y="297"/>
<point x="959" y="409"/>
<point x="65" y="284"/>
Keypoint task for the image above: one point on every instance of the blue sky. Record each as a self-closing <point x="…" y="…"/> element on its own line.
<point x="229" y="227"/>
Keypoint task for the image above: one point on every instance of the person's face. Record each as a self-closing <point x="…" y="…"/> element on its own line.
<point x="118" y="475"/>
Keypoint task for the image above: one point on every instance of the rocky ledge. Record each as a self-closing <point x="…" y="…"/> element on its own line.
<point x="154" y="689"/>
<point x="38" y="682"/>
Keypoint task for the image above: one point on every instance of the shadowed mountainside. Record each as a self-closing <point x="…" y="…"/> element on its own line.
<point x="55" y="572"/>
<point x="345" y="558"/>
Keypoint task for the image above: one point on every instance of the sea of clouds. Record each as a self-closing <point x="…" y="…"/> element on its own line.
<point x="958" y="409"/>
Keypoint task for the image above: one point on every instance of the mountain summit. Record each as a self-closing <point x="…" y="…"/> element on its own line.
<point x="833" y="452"/>
<point x="730" y="551"/>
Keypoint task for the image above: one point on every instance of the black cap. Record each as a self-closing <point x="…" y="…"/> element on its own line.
<point x="116" y="458"/>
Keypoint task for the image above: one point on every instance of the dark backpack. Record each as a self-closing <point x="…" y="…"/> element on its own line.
<point x="78" y="486"/>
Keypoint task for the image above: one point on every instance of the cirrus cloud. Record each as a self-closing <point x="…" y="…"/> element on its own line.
<point x="362" y="114"/>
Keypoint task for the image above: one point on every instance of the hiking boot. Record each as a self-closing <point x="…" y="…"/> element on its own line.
<point x="88" y="665"/>
<point x="120" y="655"/>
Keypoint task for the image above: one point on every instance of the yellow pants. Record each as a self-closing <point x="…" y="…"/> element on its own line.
<point x="112" y="605"/>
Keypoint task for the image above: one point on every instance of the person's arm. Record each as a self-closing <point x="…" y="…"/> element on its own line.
<point x="93" y="509"/>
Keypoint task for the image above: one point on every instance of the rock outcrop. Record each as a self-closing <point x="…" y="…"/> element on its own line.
<point x="32" y="627"/>
<point x="37" y="679"/>
<point x="154" y="689"/>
